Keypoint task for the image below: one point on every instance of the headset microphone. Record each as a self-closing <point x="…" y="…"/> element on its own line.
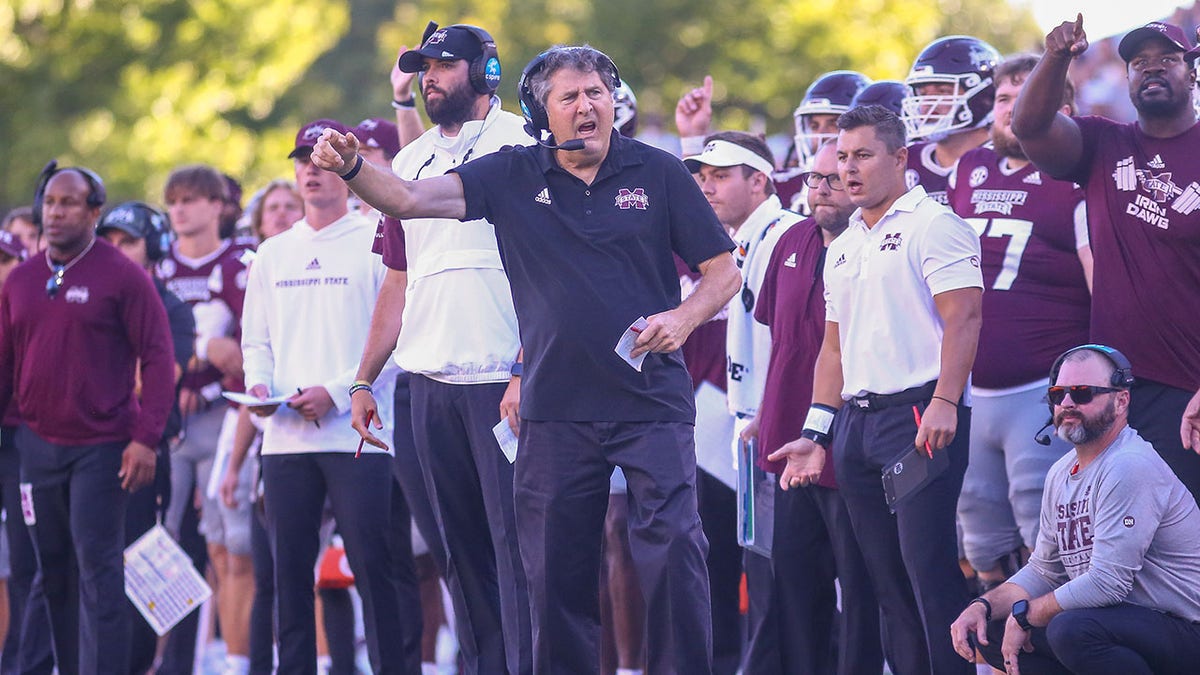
<point x="1041" y="437"/>
<point x="573" y="144"/>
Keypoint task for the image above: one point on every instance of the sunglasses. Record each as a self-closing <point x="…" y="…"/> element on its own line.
<point x="813" y="180"/>
<point x="55" y="281"/>
<point x="1081" y="394"/>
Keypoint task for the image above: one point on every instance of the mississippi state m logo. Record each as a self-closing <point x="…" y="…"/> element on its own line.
<point x="632" y="199"/>
<point x="891" y="242"/>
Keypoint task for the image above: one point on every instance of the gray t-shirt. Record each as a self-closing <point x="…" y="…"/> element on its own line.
<point x="1123" y="529"/>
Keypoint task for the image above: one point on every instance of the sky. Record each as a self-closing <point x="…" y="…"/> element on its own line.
<point x="1101" y="19"/>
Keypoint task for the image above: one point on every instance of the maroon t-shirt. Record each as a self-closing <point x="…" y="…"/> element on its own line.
<point x="924" y="170"/>
<point x="219" y="276"/>
<point x="389" y="243"/>
<point x="1036" y="302"/>
<point x="704" y="351"/>
<point x="792" y="303"/>
<point x="69" y="361"/>
<point x="1144" y="217"/>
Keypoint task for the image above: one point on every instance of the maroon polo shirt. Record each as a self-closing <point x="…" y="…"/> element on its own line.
<point x="792" y="303"/>
<point x="69" y="361"/>
<point x="704" y="350"/>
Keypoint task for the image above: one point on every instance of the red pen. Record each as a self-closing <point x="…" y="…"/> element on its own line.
<point x="917" y="417"/>
<point x="370" y="416"/>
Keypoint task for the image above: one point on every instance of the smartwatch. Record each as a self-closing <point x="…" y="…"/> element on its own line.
<point x="1020" y="612"/>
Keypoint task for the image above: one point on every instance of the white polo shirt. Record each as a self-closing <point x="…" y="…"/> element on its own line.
<point x="879" y="288"/>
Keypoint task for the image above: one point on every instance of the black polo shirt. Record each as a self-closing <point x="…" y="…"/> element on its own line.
<point x="584" y="262"/>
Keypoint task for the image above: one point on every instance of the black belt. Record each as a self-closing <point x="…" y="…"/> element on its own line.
<point x="871" y="402"/>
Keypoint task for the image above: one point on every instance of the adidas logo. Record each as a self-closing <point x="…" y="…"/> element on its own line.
<point x="791" y="261"/>
<point x="543" y="197"/>
<point x="1034" y="178"/>
<point x="1157" y="163"/>
<point x="314" y="265"/>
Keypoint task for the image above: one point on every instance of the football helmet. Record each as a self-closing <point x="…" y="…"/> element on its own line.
<point x="966" y="62"/>
<point x="887" y="93"/>
<point x="830" y="94"/>
<point x="625" y="109"/>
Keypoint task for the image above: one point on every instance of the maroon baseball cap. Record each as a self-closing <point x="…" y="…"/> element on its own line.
<point x="306" y="139"/>
<point x="11" y="245"/>
<point x="1155" y="29"/>
<point x="376" y="132"/>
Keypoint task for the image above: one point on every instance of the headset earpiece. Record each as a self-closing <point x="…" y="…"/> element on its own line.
<point x="97" y="195"/>
<point x="536" y="119"/>
<point x="1122" y="377"/>
<point x="484" y="70"/>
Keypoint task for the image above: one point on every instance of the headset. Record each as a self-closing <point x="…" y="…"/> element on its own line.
<point x="1122" y="378"/>
<point x="483" y="70"/>
<point x="153" y="225"/>
<point x="97" y="195"/>
<point x="536" y="119"/>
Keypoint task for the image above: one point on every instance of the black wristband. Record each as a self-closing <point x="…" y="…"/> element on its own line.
<point x="987" y="606"/>
<point x="943" y="398"/>
<point x="405" y="105"/>
<point x="358" y="164"/>
<point x="817" y="437"/>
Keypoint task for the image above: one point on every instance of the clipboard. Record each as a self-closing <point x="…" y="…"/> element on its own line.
<point x="909" y="472"/>
<point x="756" y="502"/>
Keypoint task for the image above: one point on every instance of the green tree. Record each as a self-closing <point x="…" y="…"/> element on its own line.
<point x="132" y="89"/>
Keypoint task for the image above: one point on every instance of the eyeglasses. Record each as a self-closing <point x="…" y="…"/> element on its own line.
<point x="55" y="281"/>
<point x="813" y="180"/>
<point x="1080" y="393"/>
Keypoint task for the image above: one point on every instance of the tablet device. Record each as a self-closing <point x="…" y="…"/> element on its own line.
<point x="911" y="471"/>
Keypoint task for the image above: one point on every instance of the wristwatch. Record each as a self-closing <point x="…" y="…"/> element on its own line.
<point x="1020" y="612"/>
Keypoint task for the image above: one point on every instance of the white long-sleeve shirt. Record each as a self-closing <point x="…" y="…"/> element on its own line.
<point x="306" y="318"/>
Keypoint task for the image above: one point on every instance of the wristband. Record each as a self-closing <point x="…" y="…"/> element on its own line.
<point x="987" y="607"/>
<point x="410" y="104"/>
<point x="517" y="369"/>
<point x="820" y="418"/>
<point x="943" y="398"/>
<point x="817" y="437"/>
<point x="358" y="164"/>
<point x="359" y="386"/>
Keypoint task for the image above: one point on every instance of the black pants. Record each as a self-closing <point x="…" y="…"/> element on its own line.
<point x="79" y="536"/>
<point x="1155" y="411"/>
<point x="814" y="545"/>
<point x="717" y="505"/>
<point x="1120" y="640"/>
<point x="360" y="492"/>
<point x="471" y="483"/>
<point x="28" y="640"/>
<point x="912" y="556"/>
<point x="562" y="480"/>
<point x="262" y="612"/>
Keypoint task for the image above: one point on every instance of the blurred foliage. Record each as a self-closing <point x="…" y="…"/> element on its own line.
<point x="132" y="89"/>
